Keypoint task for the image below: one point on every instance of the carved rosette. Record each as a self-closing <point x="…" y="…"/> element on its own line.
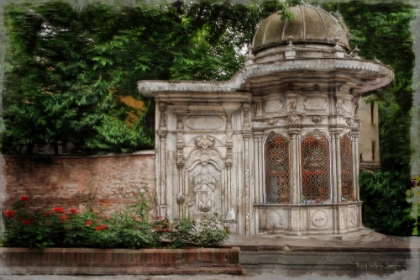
<point x="350" y="121"/>
<point x="271" y="121"/>
<point x="205" y="142"/>
<point x="293" y="119"/>
<point x="318" y="119"/>
<point x="319" y="218"/>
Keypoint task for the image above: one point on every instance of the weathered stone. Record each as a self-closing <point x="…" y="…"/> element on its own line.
<point x="275" y="149"/>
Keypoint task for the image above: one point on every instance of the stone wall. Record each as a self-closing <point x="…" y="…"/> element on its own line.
<point x="107" y="183"/>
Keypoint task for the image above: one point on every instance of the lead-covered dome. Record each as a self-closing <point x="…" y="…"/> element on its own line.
<point x="309" y="25"/>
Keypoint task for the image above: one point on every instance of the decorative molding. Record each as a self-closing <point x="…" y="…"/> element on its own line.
<point x="382" y="73"/>
<point x="350" y="121"/>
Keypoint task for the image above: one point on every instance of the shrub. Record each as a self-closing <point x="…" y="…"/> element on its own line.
<point x="385" y="205"/>
<point x="129" y="228"/>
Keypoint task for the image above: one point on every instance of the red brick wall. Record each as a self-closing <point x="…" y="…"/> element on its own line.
<point x="106" y="182"/>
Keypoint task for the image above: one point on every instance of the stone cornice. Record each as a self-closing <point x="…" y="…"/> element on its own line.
<point x="372" y="76"/>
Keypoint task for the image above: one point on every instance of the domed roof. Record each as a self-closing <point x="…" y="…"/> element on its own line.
<point x="309" y="25"/>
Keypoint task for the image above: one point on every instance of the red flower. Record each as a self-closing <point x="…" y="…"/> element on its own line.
<point x="63" y="218"/>
<point x="9" y="213"/>
<point x="59" y="210"/>
<point x="47" y="214"/>
<point x="88" y="222"/>
<point x="24" y="198"/>
<point x="72" y="210"/>
<point x="101" y="227"/>
<point x="26" y="222"/>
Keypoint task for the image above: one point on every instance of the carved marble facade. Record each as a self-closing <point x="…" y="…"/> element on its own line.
<point x="275" y="149"/>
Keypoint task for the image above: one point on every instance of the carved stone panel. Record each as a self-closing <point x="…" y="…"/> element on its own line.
<point x="315" y="104"/>
<point x="298" y="219"/>
<point x="204" y="166"/>
<point x="276" y="220"/>
<point x="273" y="106"/>
<point x="352" y="217"/>
<point x="204" y="190"/>
<point x="319" y="219"/>
<point x="204" y="123"/>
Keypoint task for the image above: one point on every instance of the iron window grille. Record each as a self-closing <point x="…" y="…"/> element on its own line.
<point x="315" y="159"/>
<point x="346" y="158"/>
<point x="277" y="189"/>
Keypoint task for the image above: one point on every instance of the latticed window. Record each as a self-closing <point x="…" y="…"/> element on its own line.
<point x="346" y="158"/>
<point x="315" y="168"/>
<point x="277" y="169"/>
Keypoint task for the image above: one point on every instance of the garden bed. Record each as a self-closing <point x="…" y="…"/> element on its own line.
<point x="82" y="261"/>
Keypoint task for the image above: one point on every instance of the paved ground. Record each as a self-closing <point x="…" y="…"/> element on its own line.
<point x="373" y="257"/>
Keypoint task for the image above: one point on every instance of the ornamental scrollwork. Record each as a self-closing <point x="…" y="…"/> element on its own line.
<point x="205" y="142"/>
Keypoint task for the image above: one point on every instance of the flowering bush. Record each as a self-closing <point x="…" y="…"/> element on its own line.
<point x="130" y="228"/>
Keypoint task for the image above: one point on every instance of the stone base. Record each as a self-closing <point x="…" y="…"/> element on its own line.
<point x="310" y="220"/>
<point x="81" y="261"/>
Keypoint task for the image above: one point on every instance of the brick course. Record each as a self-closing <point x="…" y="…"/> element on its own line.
<point x="79" y="261"/>
<point x="106" y="183"/>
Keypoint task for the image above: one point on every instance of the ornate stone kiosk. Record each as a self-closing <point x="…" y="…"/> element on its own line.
<point x="274" y="150"/>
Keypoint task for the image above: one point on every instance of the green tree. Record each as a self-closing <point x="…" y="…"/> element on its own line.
<point x="382" y="31"/>
<point x="69" y="68"/>
<point x="60" y="86"/>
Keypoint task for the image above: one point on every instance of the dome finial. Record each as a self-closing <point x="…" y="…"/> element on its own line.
<point x="355" y="53"/>
<point x="290" y="40"/>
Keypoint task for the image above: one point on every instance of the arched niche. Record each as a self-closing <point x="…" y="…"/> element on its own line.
<point x="315" y="164"/>
<point x="204" y="172"/>
<point x="276" y="163"/>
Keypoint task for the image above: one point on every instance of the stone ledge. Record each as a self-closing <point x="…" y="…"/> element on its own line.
<point x="79" y="261"/>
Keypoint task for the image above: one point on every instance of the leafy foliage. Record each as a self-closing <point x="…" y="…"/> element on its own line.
<point x="209" y="232"/>
<point x="69" y="69"/>
<point x="129" y="228"/>
<point x="382" y="31"/>
<point x="386" y="208"/>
